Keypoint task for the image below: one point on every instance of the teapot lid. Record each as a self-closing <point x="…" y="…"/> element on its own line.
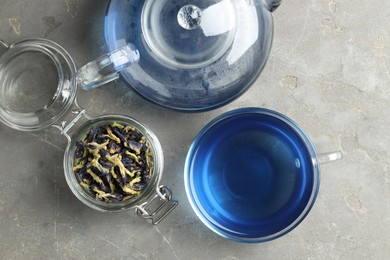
<point x="194" y="55"/>
<point x="37" y="84"/>
<point x="189" y="36"/>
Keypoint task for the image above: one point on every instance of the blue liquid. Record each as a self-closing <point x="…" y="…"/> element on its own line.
<point x="252" y="174"/>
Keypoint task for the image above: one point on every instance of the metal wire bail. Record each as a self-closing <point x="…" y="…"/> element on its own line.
<point x="158" y="207"/>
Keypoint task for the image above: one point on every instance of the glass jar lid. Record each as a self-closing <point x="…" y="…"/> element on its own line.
<point x="37" y="84"/>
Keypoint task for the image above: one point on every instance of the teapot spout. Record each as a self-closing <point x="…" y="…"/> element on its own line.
<point x="271" y="5"/>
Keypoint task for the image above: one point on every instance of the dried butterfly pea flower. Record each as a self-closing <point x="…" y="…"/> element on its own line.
<point x="113" y="148"/>
<point x="120" y="135"/>
<point x="135" y="146"/>
<point x="111" y="135"/>
<point x="113" y="162"/>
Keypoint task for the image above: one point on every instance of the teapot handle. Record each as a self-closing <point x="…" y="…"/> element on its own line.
<point x="271" y="5"/>
<point x="105" y="68"/>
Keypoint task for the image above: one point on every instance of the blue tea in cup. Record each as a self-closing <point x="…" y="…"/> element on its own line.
<point x="252" y="175"/>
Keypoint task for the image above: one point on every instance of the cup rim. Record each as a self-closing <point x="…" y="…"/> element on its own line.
<point x="213" y="225"/>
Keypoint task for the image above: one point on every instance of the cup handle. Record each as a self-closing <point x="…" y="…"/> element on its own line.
<point x="105" y="69"/>
<point x="158" y="206"/>
<point x="323" y="158"/>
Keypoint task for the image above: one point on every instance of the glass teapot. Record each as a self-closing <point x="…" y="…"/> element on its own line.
<point x="188" y="55"/>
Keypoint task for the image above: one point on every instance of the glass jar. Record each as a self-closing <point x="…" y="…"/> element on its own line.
<point x="38" y="85"/>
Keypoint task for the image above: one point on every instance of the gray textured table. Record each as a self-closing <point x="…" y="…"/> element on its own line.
<point x="328" y="71"/>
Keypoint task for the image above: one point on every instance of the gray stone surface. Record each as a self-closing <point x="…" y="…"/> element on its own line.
<point x="328" y="71"/>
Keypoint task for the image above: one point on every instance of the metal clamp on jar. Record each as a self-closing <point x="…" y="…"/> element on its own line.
<point x="38" y="85"/>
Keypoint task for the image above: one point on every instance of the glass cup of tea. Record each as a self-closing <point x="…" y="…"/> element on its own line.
<point x="252" y="175"/>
